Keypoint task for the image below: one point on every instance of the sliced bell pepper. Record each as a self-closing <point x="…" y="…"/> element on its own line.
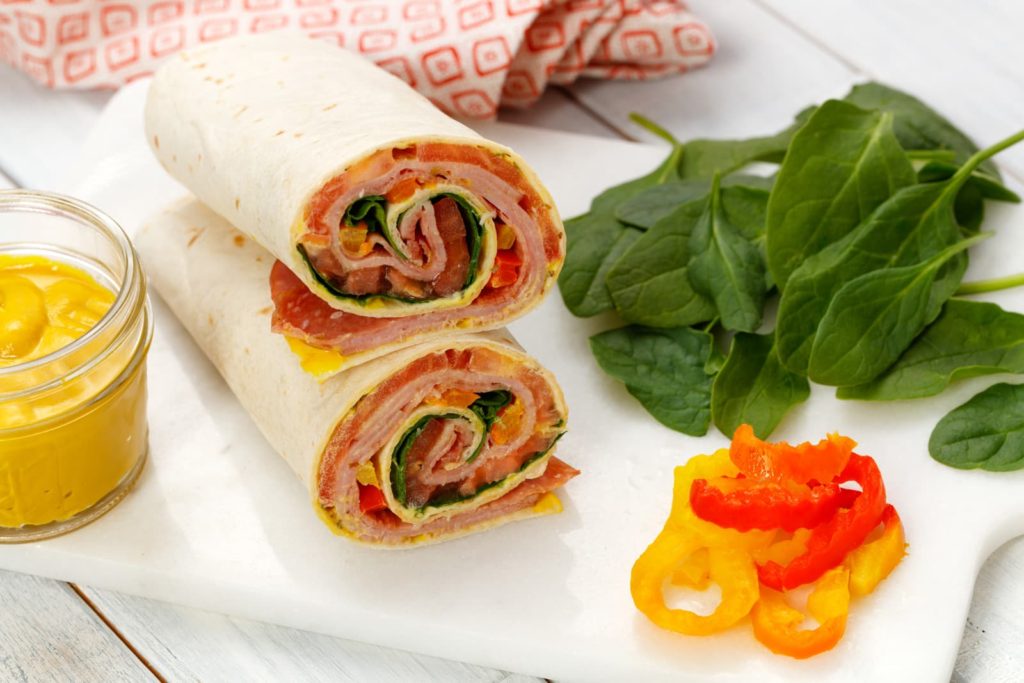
<point x="508" y="424"/>
<point x="778" y="625"/>
<point x="506" y="268"/>
<point x="506" y="235"/>
<point x="403" y="189"/>
<point x="751" y="504"/>
<point x="781" y="462"/>
<point x="354" y="239"/>
<point x="830" y="543"/>
<point x="453" y="398"/>
<point x="875" y="560"/>
<point x="371" y="499"/>
<point x="678" y="554"/>
<point x="694" y="572"/>
<point x="731" y="568"/>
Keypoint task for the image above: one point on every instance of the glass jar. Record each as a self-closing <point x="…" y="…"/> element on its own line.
<point x="73" y="430"/>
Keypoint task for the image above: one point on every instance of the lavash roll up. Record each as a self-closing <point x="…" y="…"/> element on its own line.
<point x="396" y="451"/>
<point x="375" y="203"/>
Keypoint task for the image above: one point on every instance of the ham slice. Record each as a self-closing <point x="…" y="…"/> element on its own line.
<point x="504" y="479"/>
<point x="429" y="227"/>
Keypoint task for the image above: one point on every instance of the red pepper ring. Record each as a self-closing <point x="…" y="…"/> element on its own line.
<point x="767" y="505"/>
<point x="829" y="543"/>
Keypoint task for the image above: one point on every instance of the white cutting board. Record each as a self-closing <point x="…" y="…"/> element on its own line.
<point x="219" y="522"/>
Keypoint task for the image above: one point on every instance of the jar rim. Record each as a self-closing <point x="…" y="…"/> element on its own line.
<point x="52" y="203"/>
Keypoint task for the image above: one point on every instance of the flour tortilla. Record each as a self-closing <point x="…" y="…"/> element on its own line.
<point x="215" y="281"/>
<point x="256" y="126"/>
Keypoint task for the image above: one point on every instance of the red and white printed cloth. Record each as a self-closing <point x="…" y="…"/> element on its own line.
<point x="468" y="56"/>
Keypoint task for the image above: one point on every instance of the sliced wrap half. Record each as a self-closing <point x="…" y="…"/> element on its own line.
<point x="435" y="440"/>
<point x="392" y="222"/>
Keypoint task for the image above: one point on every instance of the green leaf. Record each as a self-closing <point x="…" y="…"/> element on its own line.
<point x="873" y="319"/>
<point x="912" y="226"/>
<point x="487" y="405"/>
<point x="754" y="388"/>
<point x="401" y="456"/>
<point x="968" y="339"/>
<point x="970" y="201"/>
<point x="653" y="204"/>
<point x="985" y="433"/>
<point x="649" y="283"/>
<point x="596" y="239"/>
<point x="704" y="158"/>
<point x="594" y="243"/>
<point x="664" y="370"/>
<point x="917" y="126"/>
<point x="841" y="165"/>
<point x="726" y="267"/>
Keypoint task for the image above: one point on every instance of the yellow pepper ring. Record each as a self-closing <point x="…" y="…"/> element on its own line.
<point x="732" y="569"/>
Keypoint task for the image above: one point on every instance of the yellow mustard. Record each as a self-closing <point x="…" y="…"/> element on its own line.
<point x="321" y="363"/>
<point x="65" y="447"/>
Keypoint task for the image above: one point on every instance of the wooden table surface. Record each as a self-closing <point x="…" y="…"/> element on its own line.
<point x="775" y="57"/>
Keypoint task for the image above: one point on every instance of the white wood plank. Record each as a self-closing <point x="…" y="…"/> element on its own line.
<point x="993" y="646"/>
<point x="189" y="644"/>
<point x="763" y="73"/>
<point x="48" y="634"/>
<point x="558" y="111"/>
<point x="964" y="59"/>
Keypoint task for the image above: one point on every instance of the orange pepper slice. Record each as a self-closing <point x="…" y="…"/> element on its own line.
<point x="453" y="398"/>
<point x="401" y="190"/>
<point x="805" y="462"/>
<point x="507" y="425"/>
<point x="778" y="625"/>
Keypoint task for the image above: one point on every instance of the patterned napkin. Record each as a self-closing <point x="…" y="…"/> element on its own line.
<point x="468" y="56"/>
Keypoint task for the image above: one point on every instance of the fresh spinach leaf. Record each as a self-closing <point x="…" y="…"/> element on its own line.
<point x="664" y="370"/>
<point x="703" y="158"/>
<point x="726" y="267"/>
<point x="596" y="239"/>
<point x="968" y="339"/>
<point x="912" y="226"/>
<point x="655" y="203"/>
<point x="986" y="432"/>
<point x="873" y="319"/>
<point x="754" y="388"/>
<point x="401" y="456"/>
<point x="841" y="165"/>
<point x="649" y="283"/>
<point x="487" y="405"/>
<point x="371" y="210"/>
<point x="970" y="201"/>
<point x="989" y="186"/>
<point x="917" y="126"/>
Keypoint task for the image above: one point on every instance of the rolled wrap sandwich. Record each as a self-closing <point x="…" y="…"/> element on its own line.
<point x="392" y="222"/>
<point x="432" y="441"/>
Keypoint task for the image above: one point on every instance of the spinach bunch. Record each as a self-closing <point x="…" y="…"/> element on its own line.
<point x="861" y="236"/>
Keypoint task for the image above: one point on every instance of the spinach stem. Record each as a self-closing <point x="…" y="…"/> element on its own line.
<point x="993" y="285"/>
<point x="654" y="128"/>
<point x="931" y="155"/>
<point x="976" y="160"/>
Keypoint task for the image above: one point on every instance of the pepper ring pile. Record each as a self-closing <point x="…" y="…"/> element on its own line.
<point x="760" y="519"/>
